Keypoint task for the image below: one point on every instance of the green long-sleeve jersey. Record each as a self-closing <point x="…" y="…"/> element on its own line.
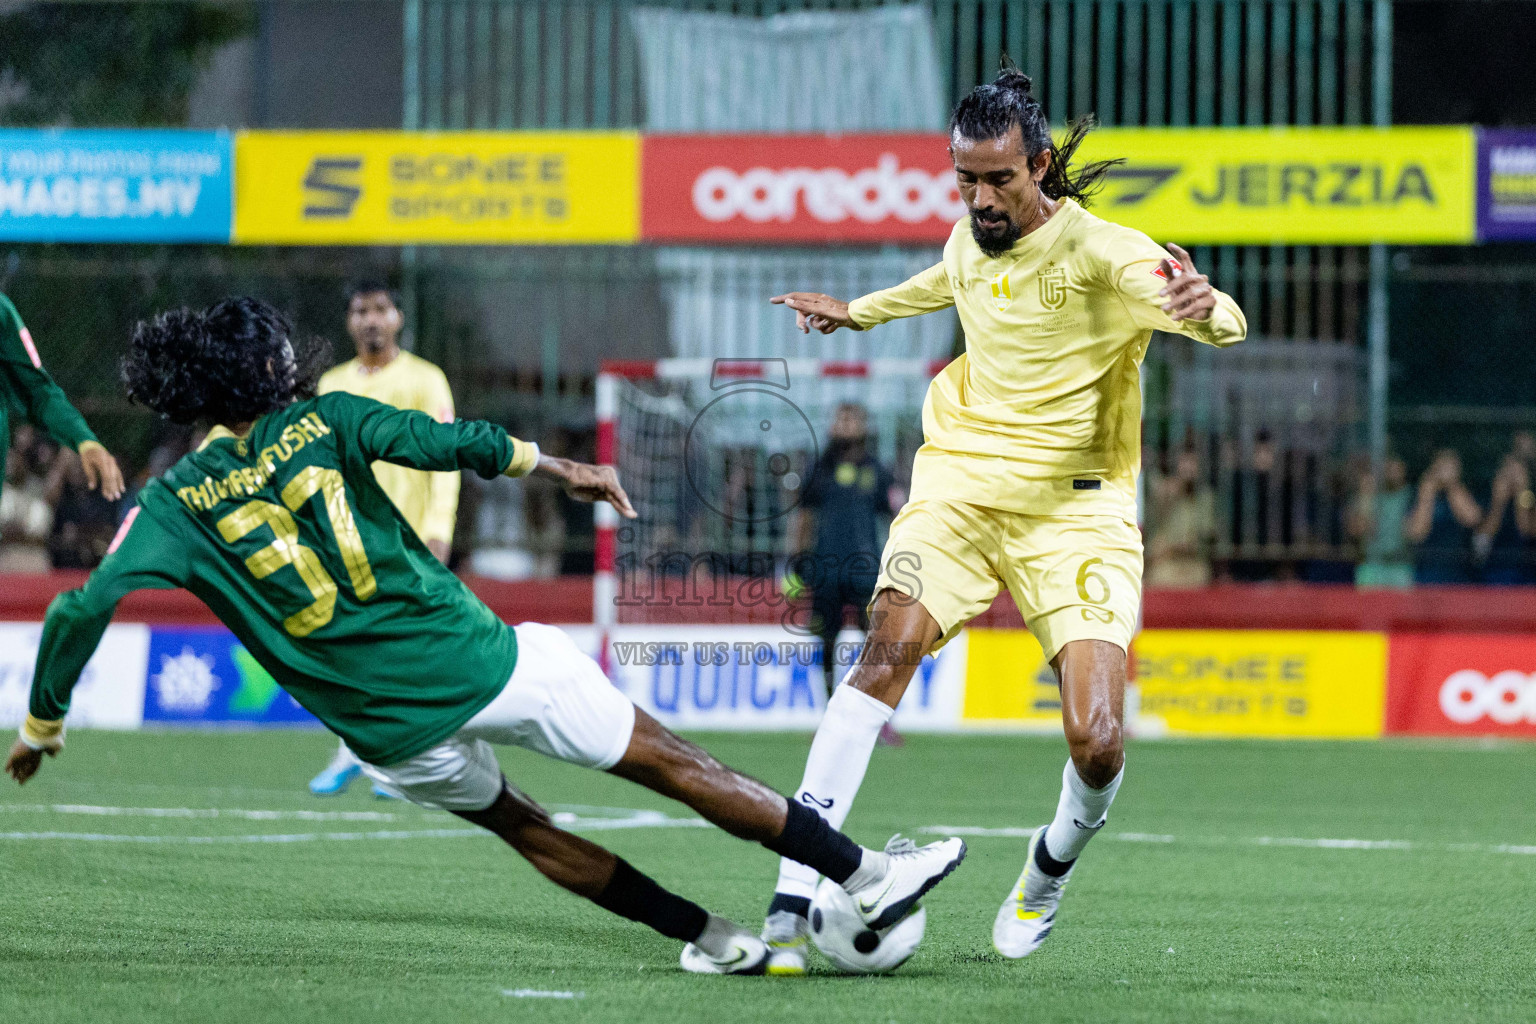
<point x="28" y="385"/>
<point x="287" y="537"/>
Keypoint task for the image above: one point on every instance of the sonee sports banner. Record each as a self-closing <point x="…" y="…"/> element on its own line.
<point x="510" y="188"/>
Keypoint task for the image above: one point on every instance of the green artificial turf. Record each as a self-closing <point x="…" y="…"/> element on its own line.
<point x="1179" y="911"/>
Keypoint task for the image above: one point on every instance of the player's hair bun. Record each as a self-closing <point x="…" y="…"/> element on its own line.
<point x="1013" y="78"/>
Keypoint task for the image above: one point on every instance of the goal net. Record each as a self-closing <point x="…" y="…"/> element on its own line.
<point x="715" y="456"/>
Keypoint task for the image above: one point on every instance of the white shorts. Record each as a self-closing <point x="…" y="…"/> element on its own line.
<point x="558" y="702"/>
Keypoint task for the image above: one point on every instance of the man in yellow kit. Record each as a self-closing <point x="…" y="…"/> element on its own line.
<point x="387" y="373"/>
<point x="1026" y="479"/>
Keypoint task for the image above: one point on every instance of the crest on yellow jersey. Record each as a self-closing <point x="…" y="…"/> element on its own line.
<point x="1053" y="287"/>
<point x="1002" y="291"/>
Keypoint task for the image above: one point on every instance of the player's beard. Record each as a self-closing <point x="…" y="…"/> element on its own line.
<point x="997" y="239"/>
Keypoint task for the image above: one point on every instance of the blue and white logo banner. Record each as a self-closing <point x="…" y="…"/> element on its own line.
<point x="115" y="186"/>
<point x="204" y="675"/>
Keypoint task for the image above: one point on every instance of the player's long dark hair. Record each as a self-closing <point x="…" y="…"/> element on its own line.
<point x="989" y="111"/>
<point x="229" y="363"/>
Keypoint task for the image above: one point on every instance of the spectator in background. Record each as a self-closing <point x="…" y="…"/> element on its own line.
<point x="1179" y="548"/>
<point x="838" y="535"/>
<point x="1378" y="520"/>
<point x="1262" y="493"/>
<point x="26" y="504"/>
<point x="83" y="521"/>
<point x="1441" y="523"/>
<point x="1502" y="543"/>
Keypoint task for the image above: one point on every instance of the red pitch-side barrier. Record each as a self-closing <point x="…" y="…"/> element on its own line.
<point x="25" y="596"/>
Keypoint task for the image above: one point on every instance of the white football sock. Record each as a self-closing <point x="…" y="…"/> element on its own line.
<point x="834" y="771"/>
<point x="1079" y="814"/>
<point x="873" y="867"/>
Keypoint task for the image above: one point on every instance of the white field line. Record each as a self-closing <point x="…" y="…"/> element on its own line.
<point x="199" y="812"/>
<point x="538" y="993"/>
<point x="1288" y="841"/>
<point x="624" y="819"/>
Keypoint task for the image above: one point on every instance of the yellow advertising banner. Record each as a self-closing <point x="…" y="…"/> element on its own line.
<point x="1008" y="683"/>
<point x="1261" y="682"/>
<point x="1197" y="682"/>
<point x="1293" y="185"/>
<point x="344" y="188"/>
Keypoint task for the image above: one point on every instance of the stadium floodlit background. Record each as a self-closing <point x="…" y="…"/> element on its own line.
<point x="583" y="206"/>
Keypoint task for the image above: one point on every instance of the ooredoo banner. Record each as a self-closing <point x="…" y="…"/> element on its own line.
<point x="797" y="188"/>
<point x="1449" y="684"/>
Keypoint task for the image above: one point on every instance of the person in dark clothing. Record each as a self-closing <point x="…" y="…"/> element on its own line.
<point x="1503" y="541"/>
<point x="847" y="496"/>
<point x="1442" y="522"/>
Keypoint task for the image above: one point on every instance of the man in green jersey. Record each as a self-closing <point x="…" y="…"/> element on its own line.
<point x="278" y="524"/>
<point x="28" y="385"/>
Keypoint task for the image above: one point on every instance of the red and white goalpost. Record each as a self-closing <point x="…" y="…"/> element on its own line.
<point x="714" y="454"/>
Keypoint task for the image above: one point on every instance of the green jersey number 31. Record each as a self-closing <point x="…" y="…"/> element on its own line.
<point x="285" y="548"/>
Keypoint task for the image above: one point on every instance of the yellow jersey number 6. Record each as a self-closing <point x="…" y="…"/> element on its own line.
<point x="285" y="548"/>
<point x="1085" y="574"/>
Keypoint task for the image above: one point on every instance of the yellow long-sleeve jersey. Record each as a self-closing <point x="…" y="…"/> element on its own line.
<point x="1042" y="413"/>
<point x="429" y="501"/>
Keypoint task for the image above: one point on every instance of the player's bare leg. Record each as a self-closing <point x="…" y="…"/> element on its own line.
<point x="901" y="633"/>
<point x="884" y="885"/>
<point x="1092" y="675"/>
<point x="588" y="870"/>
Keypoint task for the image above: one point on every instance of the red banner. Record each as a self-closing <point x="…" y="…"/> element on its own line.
<point x="797" y="188"/>
<point x="1462" y="684"/>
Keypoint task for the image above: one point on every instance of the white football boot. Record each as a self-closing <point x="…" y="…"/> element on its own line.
<point x="746" y="954"/>
<point x="912" y="872"/>
<point x="788" y="936"/>
<point x="1029" y="913"/>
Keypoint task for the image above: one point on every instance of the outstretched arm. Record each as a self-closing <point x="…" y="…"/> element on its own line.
<point x="415" y="439"/>
<point x="22" y="372"/>
<point x="144" y="555"/>
<point x="923" y="293"/>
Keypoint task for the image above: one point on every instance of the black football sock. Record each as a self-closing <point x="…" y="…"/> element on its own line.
<point x="808" y="839"/>
<point x="635" y="896"/>
<point x="1050" y="865"/>
<point x="797" y="905"/>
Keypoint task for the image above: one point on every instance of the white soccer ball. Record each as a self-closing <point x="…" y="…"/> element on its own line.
<point x="844" y="938"/>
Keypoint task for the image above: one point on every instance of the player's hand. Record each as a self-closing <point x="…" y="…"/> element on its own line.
<point x="23" y="761"/>
<point x="1188" y="295"/>
<point x="101" y="470"/>
<point x="440" y="549"/>
<point x="588" y="483"/>
<point x="815" y="311"/>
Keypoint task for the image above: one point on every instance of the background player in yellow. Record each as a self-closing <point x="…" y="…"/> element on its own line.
<point x="387" y="373"/>
<point x="1026" y="478"/>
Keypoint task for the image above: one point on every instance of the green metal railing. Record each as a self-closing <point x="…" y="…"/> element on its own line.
<point x="510" y="64"/>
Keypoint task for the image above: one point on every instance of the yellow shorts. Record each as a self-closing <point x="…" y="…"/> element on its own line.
<point x="1072" y="577"/>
